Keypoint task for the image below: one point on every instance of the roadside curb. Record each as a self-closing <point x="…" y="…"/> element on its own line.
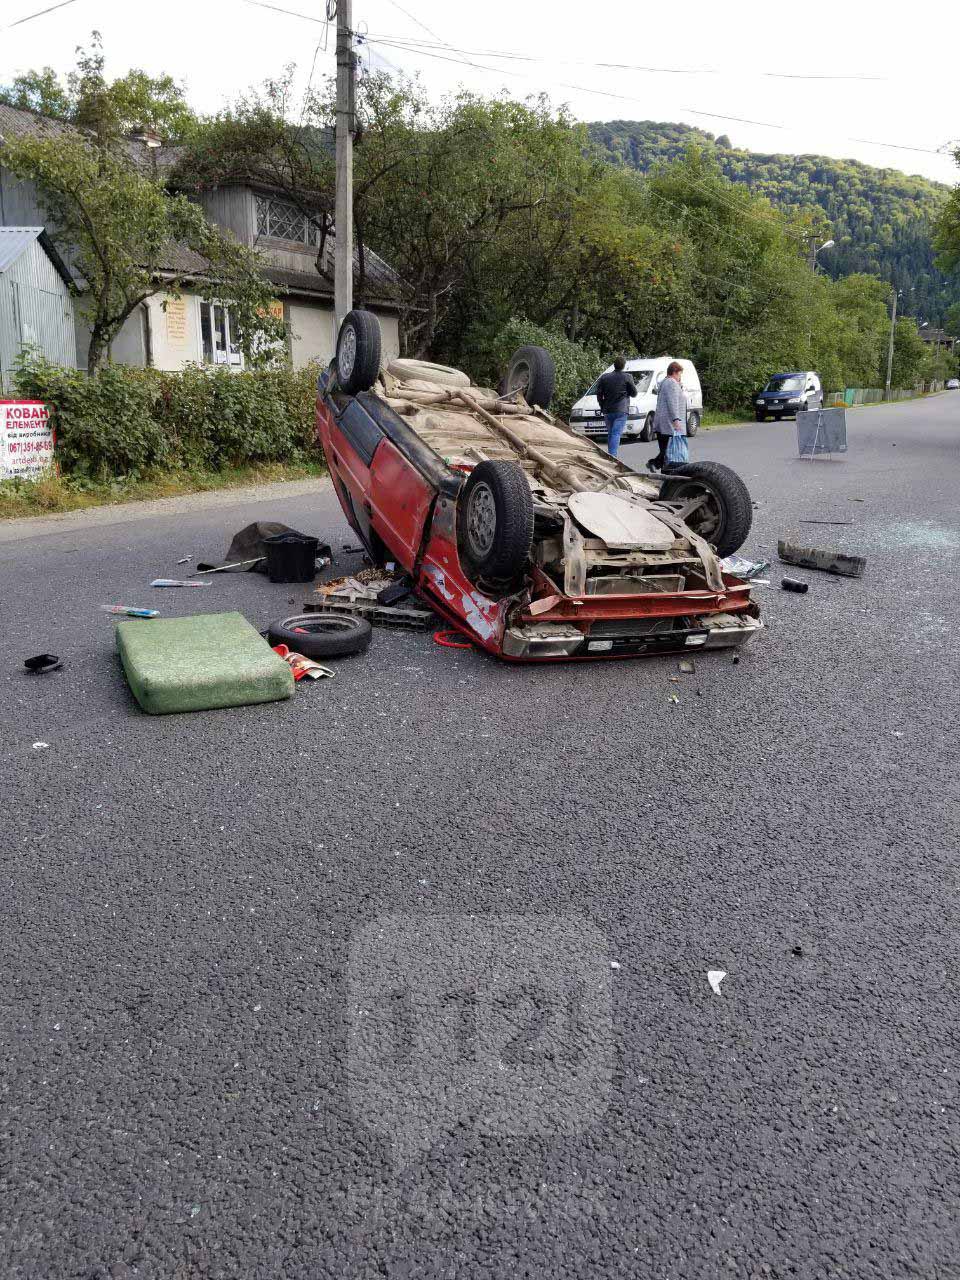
<point x="18" y="527"/>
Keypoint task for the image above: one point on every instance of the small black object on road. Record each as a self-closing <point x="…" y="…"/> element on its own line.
<point x="42" y="663"/>
<point x="794" y="584"/>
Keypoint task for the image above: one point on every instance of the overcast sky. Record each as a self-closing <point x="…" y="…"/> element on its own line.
<point x="218" y="48"/>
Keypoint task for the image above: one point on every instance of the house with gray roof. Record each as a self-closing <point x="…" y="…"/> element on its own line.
<point x="179" y="325"/>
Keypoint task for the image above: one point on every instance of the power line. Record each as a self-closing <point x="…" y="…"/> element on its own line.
<point x="606" y="66"/>
<point x="606" y="93"/>
<point x="39" y="14"/>
<point x="420" y="48"/>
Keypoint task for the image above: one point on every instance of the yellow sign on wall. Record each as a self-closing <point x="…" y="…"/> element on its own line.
<point x="176" y="310"/>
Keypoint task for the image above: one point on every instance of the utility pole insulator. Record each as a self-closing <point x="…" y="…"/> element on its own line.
<point x="343" y="211"/>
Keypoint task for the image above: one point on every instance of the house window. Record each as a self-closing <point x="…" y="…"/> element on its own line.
<point x="218" y="335"/>
<point x="281" y="220"/>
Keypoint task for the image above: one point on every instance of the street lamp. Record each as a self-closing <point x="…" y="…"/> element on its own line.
<point x="827" y="244"/>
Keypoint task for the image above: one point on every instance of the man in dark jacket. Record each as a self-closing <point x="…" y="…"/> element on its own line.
<point x="614" y="392"/>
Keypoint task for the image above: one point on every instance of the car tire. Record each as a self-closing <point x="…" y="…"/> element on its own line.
<point x="728" y="515"/>
<point x="322" y="635"/>
<point x="693" y="423"/>
<point x="358" y="352"/>
<point x="647" y="432"/>
<point x="423" y="371"/>
<point x="495" y="521"/>
<point x="532" y="372"/>
<point x="761" y="417"/>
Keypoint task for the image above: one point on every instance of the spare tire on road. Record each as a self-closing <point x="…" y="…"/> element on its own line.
<point x="495" y="521"/>
<point x="533" y="373"/>
<point x="726" y="511"/>
<point x="322" y="635"/>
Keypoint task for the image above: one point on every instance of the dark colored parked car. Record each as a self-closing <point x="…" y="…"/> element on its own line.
<point x="789" y="393"/>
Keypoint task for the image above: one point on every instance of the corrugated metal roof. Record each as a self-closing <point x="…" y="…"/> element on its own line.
<point x="13" y="241"/>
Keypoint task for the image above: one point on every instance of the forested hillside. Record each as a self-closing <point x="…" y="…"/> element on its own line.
<point x="880" y="218"/>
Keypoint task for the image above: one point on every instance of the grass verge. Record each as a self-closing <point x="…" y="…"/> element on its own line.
<point x="715" y="418"/>
<point x="55" y="494"/>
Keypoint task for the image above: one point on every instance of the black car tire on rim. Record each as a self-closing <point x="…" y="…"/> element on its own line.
<point x="322" y="635"/>
<point x="726" y="515"/>
<point x="647" y="432"/>
<point x="358" y="352"/>
<point x="533" y="373"/>
<point x="495" y="521"/>
<point x="693" y="423"/>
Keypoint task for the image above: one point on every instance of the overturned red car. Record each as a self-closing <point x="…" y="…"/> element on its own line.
<point x="531" y="540"/>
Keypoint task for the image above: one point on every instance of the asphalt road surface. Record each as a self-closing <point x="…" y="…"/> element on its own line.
<point x="407" y="976"/>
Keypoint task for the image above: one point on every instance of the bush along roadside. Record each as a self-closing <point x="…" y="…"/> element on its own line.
<point x="127" y="434"/>
<point x="124" y="424"/>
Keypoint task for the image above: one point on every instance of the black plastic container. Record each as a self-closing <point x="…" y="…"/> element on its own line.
<point x="291" y="557"/>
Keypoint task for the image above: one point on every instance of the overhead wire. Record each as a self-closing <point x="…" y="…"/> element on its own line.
<point x="427" y="50"/>
<point x="39" y="14"/>
<point x="611" y="66"/>
<point x="606" y="93"/>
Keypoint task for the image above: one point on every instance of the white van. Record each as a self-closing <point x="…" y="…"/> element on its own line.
<point x="587" y="420"/>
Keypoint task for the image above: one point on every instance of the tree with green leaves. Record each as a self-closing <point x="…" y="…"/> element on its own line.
<point x="117" y="223"/>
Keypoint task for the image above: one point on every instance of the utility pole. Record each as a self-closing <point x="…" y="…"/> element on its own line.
<point x="893" y="325"/>
<point x="343" y="212"/>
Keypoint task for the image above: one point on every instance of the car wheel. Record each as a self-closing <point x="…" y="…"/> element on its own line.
<point x="358" y="352"/>
<point x="533" y="373"/>
<point x="422" y="370"/>
<point x="725" y="513"/>
<point x="322" y="635"/>
<point x="647" y="432"/>
<point x="693" y="423"/>
<point x="495" y="520"/>
<point x="761" y="417"/>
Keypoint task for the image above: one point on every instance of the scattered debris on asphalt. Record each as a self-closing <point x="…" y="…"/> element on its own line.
<point x="130" y="611"/>
<point x="321" y="634"/>
<point x="379" y="614"/>
<point x="248" y="549"/>
<point x="715" y="977"/>
<point x="185" y="560"/>
<point x="797" y="950"/>
<point x="674" y="698"/>
<point x="199" y="663"/>
<point x="828" y="560"/>
<point x="302" y="667"/>
<point x="686" y="667"/>
<point x="845" y="522"/>
<point x="42" y="663"/>
<point x="349" y="547"/>
<point x="794" y="584"/>
<point x="452" y="640"/>
<point x="292" y="557"/>
<point x="743" y="568"/>
<point x="41" y="746"/>
<point x="396" y="591"/>
<point x="177" y="582"/>
<point x="203" y="567"/>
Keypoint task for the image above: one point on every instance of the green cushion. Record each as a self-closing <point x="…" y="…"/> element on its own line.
<point x="194" y="664"/>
